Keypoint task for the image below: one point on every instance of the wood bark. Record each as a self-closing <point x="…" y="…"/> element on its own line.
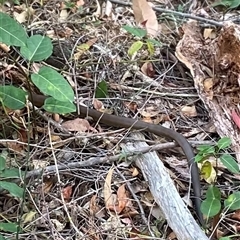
<point x="165" y="194"/>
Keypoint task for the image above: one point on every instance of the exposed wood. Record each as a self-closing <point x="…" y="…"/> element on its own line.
<point x="165" y="194"/>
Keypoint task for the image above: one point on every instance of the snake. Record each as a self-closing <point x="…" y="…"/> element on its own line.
<point x="129" y="123"/>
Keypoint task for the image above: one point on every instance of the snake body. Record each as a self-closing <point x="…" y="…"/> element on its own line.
<point x="123" y="122"/>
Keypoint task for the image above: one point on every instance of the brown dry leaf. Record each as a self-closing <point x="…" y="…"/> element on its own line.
<point x="209" y="33"/>
<point x="189" y="111"/>
<point x="98" y="105"/>
<point x="208" y="87"/>
<point x="78" y="125"/>
<point x="122" y="198"/>
<point x="148" y="69"/>
<point x="67" y="193"/>
<point x="93" y="206"/>
<point x="135" y="172"/>
<point x="235" y="118"/>
<point x="47" y="186"/>
<point x="132" y="106"/>
<point x="80" y="3"/>
<point x="144" y="14"/>
<point x="109" y="198"/>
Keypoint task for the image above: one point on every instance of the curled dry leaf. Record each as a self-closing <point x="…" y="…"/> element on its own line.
<point x="98" y="105"/>
<point x="145" y="15"/>
<point x="189" y="111"/>
<point x="78" y="125"/>
<point x="148" y="69"/>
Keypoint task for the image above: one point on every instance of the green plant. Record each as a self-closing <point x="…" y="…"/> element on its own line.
<point x="13" y="189"/>
<point x="227" y="3"/>
<point x="211" y="206"/>
<point x="35" y="48"/>
<point x="141" y="34"/>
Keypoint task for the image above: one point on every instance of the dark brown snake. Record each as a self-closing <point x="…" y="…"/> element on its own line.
<point x="122" y="122"/>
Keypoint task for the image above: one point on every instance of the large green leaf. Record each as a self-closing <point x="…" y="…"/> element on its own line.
<point x="37" y="48"/>
<point x="55" y="106"/>
<point x="233" y="201"/>
<point x="230" y="163"/>
<point x="51" y="83"/>
<point x="11" y="32"/>
<point x="13" y="188"/>
<point x="8" y="227"/>
<point x="12" y="97"/>
<point x="11" y="173"/>
<point x="102" y="90"/>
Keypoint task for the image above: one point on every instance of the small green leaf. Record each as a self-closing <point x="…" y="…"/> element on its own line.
<point x="210" y="207"/>
<point x="225" y="238"/>
<point x="227" y="3"/>
<point x="37" y="48"/>
<point x="223" y="143"/>
<point x="230" y="163"/>
<point x="8" y="227"/>
<point x="11" y="173"/>
<point x="233" y="201"/>
<point x="154" y="42"/>
<point x="11" y="32"/>
<point x="2" y="163"/>
<point x="2" y="237"/>
<point x="13" y="189"/>
<point x="51" y="83"/>
<point x="213" y="193"/>
<point x="55" y="106"/>
<point x="206" y="149"/>
<point x="136" y="46"/>
<point x="102" y="90"/>
<point x="12" y="97"/>
<point x="198" y="158"/>
<point x="150" y="47"/>
<point x="138" y="32"/>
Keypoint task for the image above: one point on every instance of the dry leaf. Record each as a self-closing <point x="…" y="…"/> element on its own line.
<point x="148" y="70"/>
<point x="122" y="198"/>
<point x="107" y="191"/>
<point x="98" y="105"/>
<point x="67" y="193"/>
<point x="146" y="16"/>
<point x="189" y="111"/>
<point x="78" y="125"/>
<point x="235" y="118"/>
<point x="209" y="33"/>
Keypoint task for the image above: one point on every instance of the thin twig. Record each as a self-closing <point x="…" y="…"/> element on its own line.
<point x="184" y="15"/>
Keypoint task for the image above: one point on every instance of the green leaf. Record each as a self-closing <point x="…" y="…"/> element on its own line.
<point x="150" y="47"/>
<point x="9" y="227"/>
<point x="2" y="163"/>
<point x="11" y="32"/>
<point x="11" y="173"/>
<point x="55" y="106"/>
<point x="233" y="201"/>
<point x="37" y="48"/>
<point x="230" y="163"/>
<point x="206" y="149"/>
<point x="102" y="90"/>
<point x="154" y="42"/>
<point x="225" y="238"/>
<point x="223" y="143"/>
<point x="210" y="207"/>
<point x="138" y="32"/>
<point x="12" y="97"/>
<point x="198" y="158"/>
<point x="2" y="237"/>
<point x="13" y="189"/>
<point x="213" y="193"/>
<point x="51" y="83"/>
<point x="227" y="3"/>
<point x="136" y="46"/>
